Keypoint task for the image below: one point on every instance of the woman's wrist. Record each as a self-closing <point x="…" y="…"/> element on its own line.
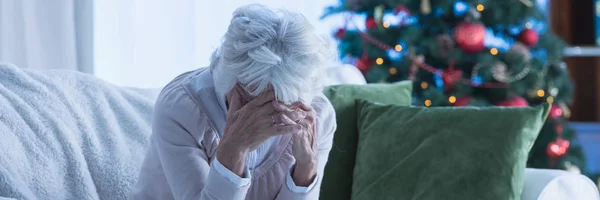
<point x="232" y="157"/>
<point x="304" y="174"/>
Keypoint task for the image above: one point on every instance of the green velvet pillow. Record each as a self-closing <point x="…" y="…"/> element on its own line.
<point x="444" y="152"/>
<point x="337" y="179"/>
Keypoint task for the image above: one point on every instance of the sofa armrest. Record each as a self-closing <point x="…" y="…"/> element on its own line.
<point x="545" y="184"/>
<point x="343" y="74"/>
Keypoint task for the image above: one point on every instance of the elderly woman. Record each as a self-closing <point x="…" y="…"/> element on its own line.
<point x="254" y="125"/>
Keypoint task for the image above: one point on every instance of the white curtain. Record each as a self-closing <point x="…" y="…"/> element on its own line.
<point x="44" y="34"/>
<point x="146" y="43"/>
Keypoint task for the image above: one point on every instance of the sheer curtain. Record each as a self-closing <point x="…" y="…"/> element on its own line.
<point x="146" y="43"/>
<point x="46" y="34"/>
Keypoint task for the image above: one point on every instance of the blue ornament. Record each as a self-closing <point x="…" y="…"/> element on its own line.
<point x="394" y="55"/>
<point x="439" y="83"/>
<point x="540" y="54"/>
<point x="439" y="12"/>
<point x="460" y="8"/>
<point x="515" y="30"/>
<point x="392" y="19"/>
<point x="410" y="20"/>
<point x="477" y="80"/>
<point x="495" y="41"/>
<point x="537" y="25"/>
<point x="349" y="59"/>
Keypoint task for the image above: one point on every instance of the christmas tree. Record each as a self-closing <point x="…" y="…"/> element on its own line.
<point x="467" y="53"/>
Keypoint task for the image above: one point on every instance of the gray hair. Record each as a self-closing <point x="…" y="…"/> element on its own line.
<point x="265" y="47"/>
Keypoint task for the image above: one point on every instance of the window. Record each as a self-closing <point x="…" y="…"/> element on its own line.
<point x="146" y="43"/>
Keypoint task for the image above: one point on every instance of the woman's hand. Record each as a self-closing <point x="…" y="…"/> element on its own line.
<point x="250" y="124"/>
<point x="304" y="148"/>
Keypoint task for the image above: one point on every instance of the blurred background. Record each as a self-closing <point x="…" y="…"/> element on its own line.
<point x="145" y="43"/>
<point x="139" y="43"/>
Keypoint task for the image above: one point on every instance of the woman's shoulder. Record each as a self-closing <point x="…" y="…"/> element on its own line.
<point x="326" y="121"/>
<point x="174" y="95"/>
<point x="323" y="106"/>
<point x="175" y="105"/>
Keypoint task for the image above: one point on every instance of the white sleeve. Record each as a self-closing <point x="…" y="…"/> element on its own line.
<point x="299" y="189"/>
<point x="232" y="177"/>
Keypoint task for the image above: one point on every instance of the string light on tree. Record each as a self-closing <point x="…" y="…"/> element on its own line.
<point x="541" y="93"/>
<point x="379" y="61"/>
<point x="378" y="14"/>
<point x="565" y="109"/>
<point x="424" y="85"/>
<point x="398" y="48"/>
<point x="427" y="102"/>
<point x="480" y="7"/>
<point x="553" y="91"/>
<point x="555" y="111"/>
<point x="393" y="70"/>
<point x="529" y="25"/>
<point x="386" y="24"/>
<point x="425" y="6"/>
<point x="558" y="147"/>
<point x="494" y="51"/>
<point x="452" y="99"/>
<point x="550" y="99"/>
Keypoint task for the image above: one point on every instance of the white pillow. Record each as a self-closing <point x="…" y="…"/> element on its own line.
<point x="544" y="184"/>
<point x="344" y="74"/>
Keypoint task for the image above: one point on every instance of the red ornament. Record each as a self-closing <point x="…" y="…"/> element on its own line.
<point x="463" y="101"/>
<point x="401" y="8"/>
<point x="555" y="111"/>
<point x="370" y="23"/>
<point x="515" y="101"/>
<point x="469" y="36"/>
<point x="451" y="76"/>
<point x="363" y="65"/>
<point x="557" y="148"/>
<point x="529" y="37"/>
<point x="340" y="33"/>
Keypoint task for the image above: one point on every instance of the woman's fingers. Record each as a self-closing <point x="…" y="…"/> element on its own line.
<point x="302" y="106"/>
<point x="284" y="119"/>
<point x="234" y="98"/>
<point x="279" y="106"/>
<point x="295" y="116"/>
<point x="263" y="98"/>
<point x="280" y="129"/>
<point x="288" y="118"/>
<point x="309" y="127"/>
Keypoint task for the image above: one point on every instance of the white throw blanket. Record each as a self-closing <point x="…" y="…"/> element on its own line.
<point x="67" y="135"/>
